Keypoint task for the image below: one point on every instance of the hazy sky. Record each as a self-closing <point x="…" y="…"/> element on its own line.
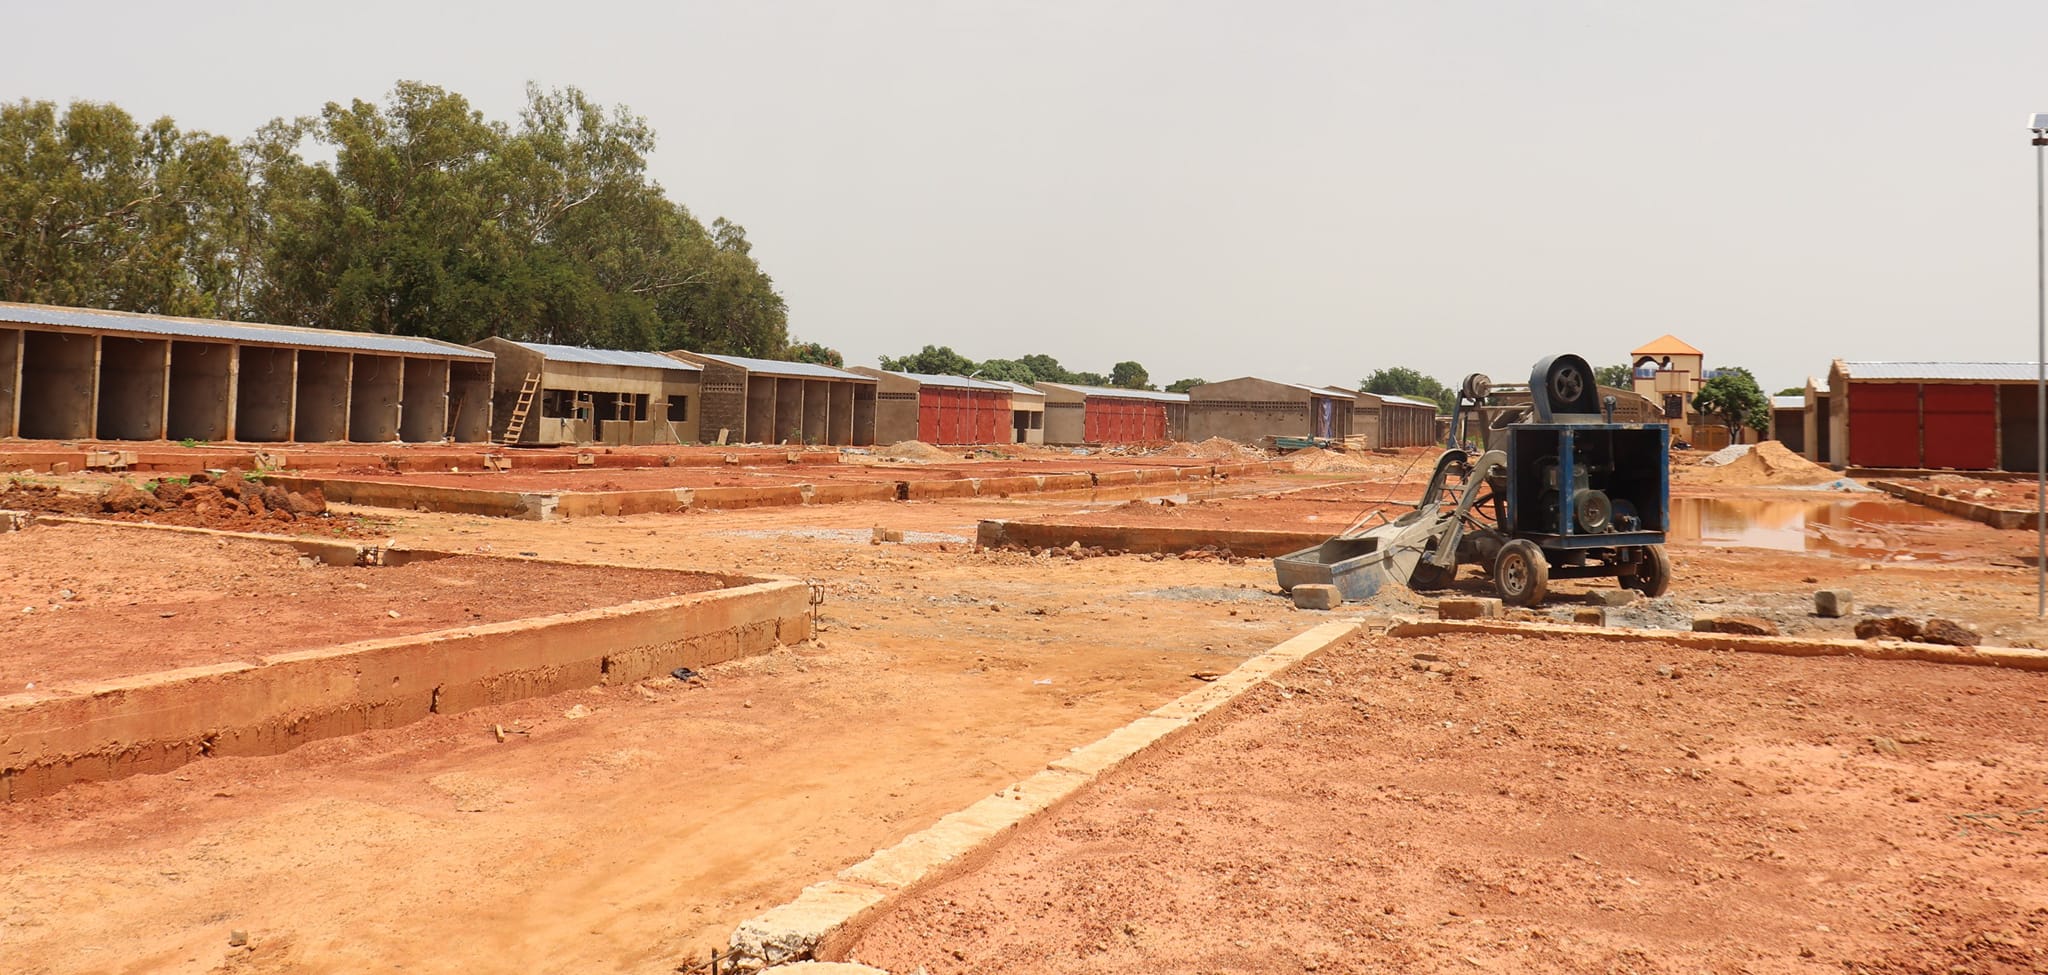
<point x="1303" y="191"/>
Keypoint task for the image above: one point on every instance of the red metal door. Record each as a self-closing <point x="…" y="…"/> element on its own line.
<point x="928" y="414"/>
<point x="988" y="408"/>
<point x="1884" y="424"/>
<point x="1961" y="426"/>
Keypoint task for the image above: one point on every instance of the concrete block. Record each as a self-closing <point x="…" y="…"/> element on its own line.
<point x="1093" y="760"/>
<point x="1317" y="596"/>
<point x="886" y="535"/>
<point x="1612" y="597"/>
<point x="1468" y="608"/>
<point x="1834" y="603"/>
<point x="1590" y="616"/>
<point x="1740" y="625"/>
<point x="790" y="932"/>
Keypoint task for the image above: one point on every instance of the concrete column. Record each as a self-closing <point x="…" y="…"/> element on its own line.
<point x="266" y="392"/>
<point x="201" y="403"/>
<point x="58" y="372"/>
<point x="133" y="388"/>
<point x="375" y="392"/>
<point x="320" y="397"/>
<point x="423" y="399"/>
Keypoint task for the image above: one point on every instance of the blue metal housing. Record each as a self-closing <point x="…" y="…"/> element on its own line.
<point x="1630" y="462"/>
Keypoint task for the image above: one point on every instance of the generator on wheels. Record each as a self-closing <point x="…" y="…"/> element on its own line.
<point x="1537" y="486"/>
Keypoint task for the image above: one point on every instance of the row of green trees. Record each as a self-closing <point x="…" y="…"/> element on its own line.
<point x="942" y="360"/>
<point x="416" y="216"/>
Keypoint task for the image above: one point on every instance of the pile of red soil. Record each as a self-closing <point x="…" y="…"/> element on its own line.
<point x="231" y="495"/>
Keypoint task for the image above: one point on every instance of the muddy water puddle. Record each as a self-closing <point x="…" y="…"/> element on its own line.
<point x="1876" y="530"/>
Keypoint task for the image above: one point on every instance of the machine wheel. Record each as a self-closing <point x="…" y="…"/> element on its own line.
<point x="1522" y="574"/>
<point x="1653" y="574"/>
<point x="1429" y="576"/>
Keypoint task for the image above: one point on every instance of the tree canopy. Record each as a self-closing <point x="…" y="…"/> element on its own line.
<point x="1129" y="375"/>
<point x="816" y="353"/>
<point x="940" y="359"/>
<point x="1732" y="394"/>
<point x="419" y="216"/>
<point x="1618" y="377"/>
<point x="1183" y="385"/>
<point x="932" y="360"/>
<point x="1403" y="381"/>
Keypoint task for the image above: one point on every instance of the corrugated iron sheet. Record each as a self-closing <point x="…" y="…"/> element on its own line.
<point x="955" y="382"/>
<point x="1407" y="401"/>
<point x="1124" y="393"/>
<point x="208" y="329"/>
<point x="609" y="357"/>
<point x="798" y="370"/>
<point x="1943" y="371"/>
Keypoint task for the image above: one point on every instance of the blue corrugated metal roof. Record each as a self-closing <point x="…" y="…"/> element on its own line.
<point x="777" y="367"/>
<point x="1952" y="371"/>
<point x="1125" y="393"/>
<point x="204" y="328"/>
<point x="609" y="357"/>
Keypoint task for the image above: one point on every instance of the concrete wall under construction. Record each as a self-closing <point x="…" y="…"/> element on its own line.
<point x="202" y="376"/>
<point x="133" y="382"/>
<point x="841" y="398"/>
<point x="321" y="413"/>
<point x="817" y="411"/>
<point x="863" y="415"/>
<point x="57" y="374"/>
<point x="760" y="422"/>
<point x="469" y="400"/>
<point x="264" y="379"/>
<point x="423" y="413"/>
<point x="373" y="404"/>
<point x="10" y="381"/>
<point x="789" y="410"/>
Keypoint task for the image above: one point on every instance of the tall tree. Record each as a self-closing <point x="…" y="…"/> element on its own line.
<point x="1183" y="385"/>
<point x="98" y="210"/>
<point x="1732" y="394"/>
<point x="816" y="353"/>
<point x="1010" y="370"/>
<point x="1403" y="381"/>
<point x="1618" y="377"/>
<point x="932" y="359"/>
<point x="1129" y="375"/>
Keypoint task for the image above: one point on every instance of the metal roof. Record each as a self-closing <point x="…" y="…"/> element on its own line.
<point x="1407" y="401"/>
<point x="219" y="331"/>
<point x="1788" y="402"/>
<point x="1022" y="389"/>
<point x="609" y="357"/>
<point x="956" y="382"/>
<point x="1954" y="371"/>
<point x="1107" y="391"/>
<point x="777" y="367"/>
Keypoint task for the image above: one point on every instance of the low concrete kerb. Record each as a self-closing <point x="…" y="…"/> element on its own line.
<point x="826" y="915"/>
<point x="2017" y="658"/>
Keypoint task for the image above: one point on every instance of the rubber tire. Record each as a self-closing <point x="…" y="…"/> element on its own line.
<point x="1427" y="576"/>
<point x="1652" y="577"/>
<point x="1521" y="574"/>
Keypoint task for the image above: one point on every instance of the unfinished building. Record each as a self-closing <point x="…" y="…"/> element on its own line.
<point x="85" y="374"/>
<point x="1027" y="413"/>
<point x="748" y="400"/>
<point x="1956" y="415"/>
<point x="938" y="408"/>
<point x="1099" y="414"/>
<point x="1404" y="422"/>
<point x="1250" y="409"/>
<point x="574" y="395"/>
<point x="1788" y="422"/>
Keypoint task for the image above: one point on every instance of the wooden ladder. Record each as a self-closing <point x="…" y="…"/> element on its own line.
<point x="517" y="425"/>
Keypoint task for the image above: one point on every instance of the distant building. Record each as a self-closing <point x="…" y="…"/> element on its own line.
<point x="748" y="400"/>
<point x="593" y="395"/>
<point x="1249" y="409"/>
<point x="939" y="409"/>
<point x="1920" y="415"/>
<point x="1102" y="414"/>
<point x="1788" y="422"/>
<point x="1668" y="372"/>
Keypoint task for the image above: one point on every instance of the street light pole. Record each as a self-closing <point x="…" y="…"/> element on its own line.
<point x="2039" y="125"/>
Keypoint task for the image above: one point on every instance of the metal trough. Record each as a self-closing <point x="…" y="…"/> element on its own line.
<point x="1357" y="566"/>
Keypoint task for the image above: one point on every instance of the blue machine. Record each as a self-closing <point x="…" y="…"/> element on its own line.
<point x="1558" y="492"/>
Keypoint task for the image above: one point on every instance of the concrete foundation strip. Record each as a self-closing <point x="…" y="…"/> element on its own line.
<point x="2005" y="518"/>
<point x="2017" y="658"/>
<point x="825" y="915"/>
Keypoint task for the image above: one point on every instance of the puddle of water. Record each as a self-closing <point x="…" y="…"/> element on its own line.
<point x="1855" y="529"/>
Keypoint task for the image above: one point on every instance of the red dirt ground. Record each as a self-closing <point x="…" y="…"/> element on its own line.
<point x="1997" y="492"/>
<point x="627" y="479"/>
<point x="126" y="601"/>
<point x="1554" y="805"/>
